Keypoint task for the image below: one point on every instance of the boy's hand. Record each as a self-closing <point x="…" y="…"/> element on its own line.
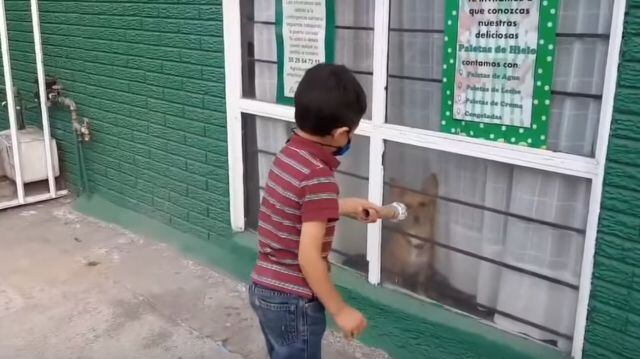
<point x="360" y="209"/>
<point x="351" y="322"/>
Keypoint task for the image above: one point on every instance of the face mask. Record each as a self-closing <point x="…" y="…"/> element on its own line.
<point x="341" y="151"/>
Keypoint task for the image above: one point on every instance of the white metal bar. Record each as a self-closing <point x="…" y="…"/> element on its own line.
<point x="500" y="152"/>
<point x="376" y="141"/>
<point x="33" y="199"/>
<point x="11" y="104"/>
<point x="606" y="115"/>
<point x="610" y="81"/>
<point x="233" y="84"/>
<point x="286" y="113"/>
<point x="42" y="89"/>
<point x="267" y="109"/>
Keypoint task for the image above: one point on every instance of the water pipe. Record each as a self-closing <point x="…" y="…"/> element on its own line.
<point x="20" y="107"/>
<point x="84" y="179"/>
<point x="82" y="133"/>
<point x="73" y="109"/>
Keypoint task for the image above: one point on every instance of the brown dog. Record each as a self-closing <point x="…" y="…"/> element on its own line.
<point x="407" y="261"/>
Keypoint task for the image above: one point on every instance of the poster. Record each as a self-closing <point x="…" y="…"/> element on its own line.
<point x="498" y="69"/>
<point x="305" y="37"/>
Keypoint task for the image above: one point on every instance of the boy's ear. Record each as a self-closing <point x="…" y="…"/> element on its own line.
<point x="342" y="130"/>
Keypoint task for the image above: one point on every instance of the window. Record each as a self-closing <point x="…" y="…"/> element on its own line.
<point x="354" y="45"/>
<point x="501" y="232"/>
<point x="501" y="242"/>
<point x="415" y="69"/>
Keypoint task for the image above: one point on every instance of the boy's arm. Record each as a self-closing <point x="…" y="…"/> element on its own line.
<point x="359" y="209"/>
<point x="319" y="207"/>
<point x="314" y="267"/>
<point x="316" y="272"/>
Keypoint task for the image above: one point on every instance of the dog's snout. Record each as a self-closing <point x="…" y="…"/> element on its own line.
<point x="416" y="243"/>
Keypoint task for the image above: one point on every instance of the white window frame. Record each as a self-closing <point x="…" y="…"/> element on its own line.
<point x="378" y="132"/>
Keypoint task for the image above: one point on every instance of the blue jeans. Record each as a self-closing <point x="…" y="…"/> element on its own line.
<point x="292" y="326"/>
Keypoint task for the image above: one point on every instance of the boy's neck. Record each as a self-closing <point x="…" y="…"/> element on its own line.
<point x="322" y="141"/>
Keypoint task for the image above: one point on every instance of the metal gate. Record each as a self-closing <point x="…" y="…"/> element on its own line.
<point x="29" y="155"/>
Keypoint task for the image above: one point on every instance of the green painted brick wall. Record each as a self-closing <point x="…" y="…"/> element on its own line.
<point x="613" y="329"/>
<point x="150" y="77"/>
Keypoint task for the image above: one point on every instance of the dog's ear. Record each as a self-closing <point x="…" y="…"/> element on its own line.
<point x="396" y="192"/>
<point x="430" y="185"/>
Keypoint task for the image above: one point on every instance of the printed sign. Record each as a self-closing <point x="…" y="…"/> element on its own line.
<point x="305" y="37"/>
<point x="498" y="69"/>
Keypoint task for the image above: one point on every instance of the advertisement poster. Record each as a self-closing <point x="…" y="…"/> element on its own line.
<point x="305" y="31"/>
<point x="498" y="69"/>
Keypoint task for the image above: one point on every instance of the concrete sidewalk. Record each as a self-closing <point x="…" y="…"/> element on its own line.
<point x="74" y="287"/>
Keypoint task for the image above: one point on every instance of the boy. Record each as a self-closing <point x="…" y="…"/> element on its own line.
<point x="298" y="214"/>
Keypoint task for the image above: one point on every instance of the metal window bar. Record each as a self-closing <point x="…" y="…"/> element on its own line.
<point x="526" y="322"/>
<point x="354" y="175"/>
<point x="489" y="311"/>
<point x="254" y="227"/>
<point x="439" y="80"/>
<point x="486" y="308"/>
<point x="480" y="306"/>
<point x="482" y="258"/>
<point x="479" y="257"/>
<point x="553" y="92"/>
<point x="463" y="203"/>
<point x="499" y="263"/>
<point x="576" y="35"/>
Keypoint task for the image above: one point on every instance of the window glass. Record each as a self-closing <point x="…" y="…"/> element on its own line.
<point x="415" y="62"/>
<point x="353" y="45"/>
<point x="500" y="242"/>
<point x="267" y="137"/>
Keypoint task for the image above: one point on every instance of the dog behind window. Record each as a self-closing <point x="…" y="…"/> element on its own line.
<point x="408" y="250"/>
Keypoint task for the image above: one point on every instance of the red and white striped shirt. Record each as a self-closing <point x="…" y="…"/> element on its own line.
<point x="301" y="187"/>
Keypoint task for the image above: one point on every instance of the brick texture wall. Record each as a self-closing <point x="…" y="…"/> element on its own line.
<point x="614" y="317"/>
<point x="150" y="77"/>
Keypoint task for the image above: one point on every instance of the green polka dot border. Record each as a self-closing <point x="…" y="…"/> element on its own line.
<point x="535" y="136"/>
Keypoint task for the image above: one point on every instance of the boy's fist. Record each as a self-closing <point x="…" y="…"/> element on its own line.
<point x="360" y="209"/>
<point x="351" y="322"/>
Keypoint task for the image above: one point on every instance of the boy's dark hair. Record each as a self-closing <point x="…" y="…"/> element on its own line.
<point x="328" y="97"/>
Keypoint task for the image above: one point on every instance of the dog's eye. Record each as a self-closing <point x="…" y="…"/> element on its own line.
<point x="422" y="204"/>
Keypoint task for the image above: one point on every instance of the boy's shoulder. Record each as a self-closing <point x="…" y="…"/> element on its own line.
<point x="305" y="162"/>
<point x="302" y="169"/>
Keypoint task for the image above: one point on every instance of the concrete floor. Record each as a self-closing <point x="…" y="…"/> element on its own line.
<point x="74" y="287"/>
